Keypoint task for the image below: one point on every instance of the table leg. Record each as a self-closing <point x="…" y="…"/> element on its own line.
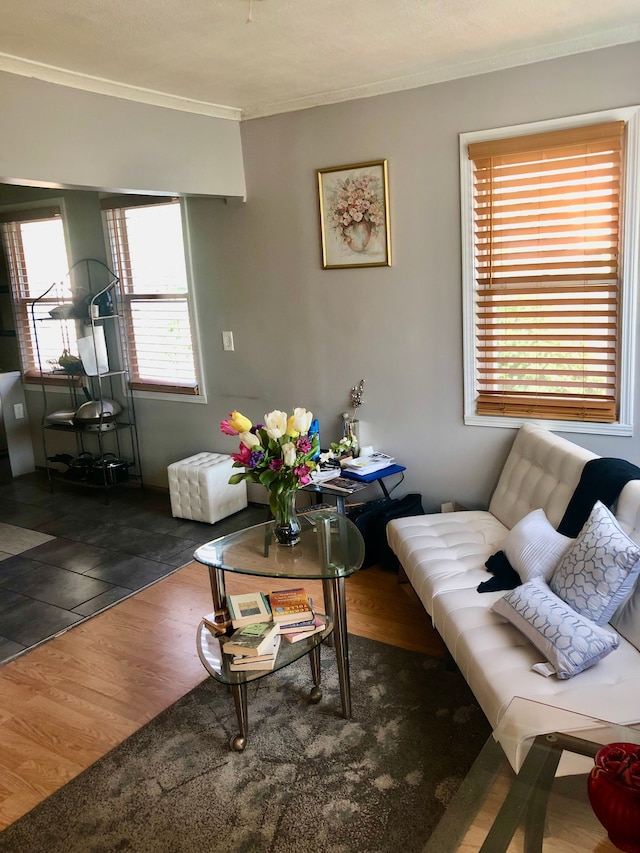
<point x="239" y="742"/>
<point x="327" y="594"/>
<point x="218" y="593"/>
<point x="316" y="674"/>
<point x="342" y="644"/>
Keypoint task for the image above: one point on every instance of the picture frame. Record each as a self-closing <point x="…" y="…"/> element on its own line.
<point x="354" y="215"/>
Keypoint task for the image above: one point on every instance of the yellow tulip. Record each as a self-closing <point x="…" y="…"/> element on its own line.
<point x="292" y="432"/>
<point x="239" y="422"/>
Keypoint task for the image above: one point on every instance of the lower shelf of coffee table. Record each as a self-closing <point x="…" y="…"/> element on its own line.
<point x="217" y="663"/>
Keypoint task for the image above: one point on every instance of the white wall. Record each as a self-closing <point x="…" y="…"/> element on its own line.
<point x="304" y="336"/>
<point x="57" y="136"/>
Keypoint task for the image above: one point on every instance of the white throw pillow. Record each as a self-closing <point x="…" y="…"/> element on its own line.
<point x="599" y="569"/>
<point x="570" y="642"/>
<point x="534" y="547"/>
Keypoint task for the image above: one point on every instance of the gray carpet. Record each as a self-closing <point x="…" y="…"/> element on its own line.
<point x="308" y="780"/>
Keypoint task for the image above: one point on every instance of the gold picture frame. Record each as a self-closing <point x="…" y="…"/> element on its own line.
<point x="354" y="215"/>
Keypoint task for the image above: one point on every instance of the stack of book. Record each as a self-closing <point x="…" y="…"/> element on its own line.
<point x="253" y="647"/>
<point x="260" y="622"/>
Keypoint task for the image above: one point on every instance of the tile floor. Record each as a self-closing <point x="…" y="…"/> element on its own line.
<point x="65" y="555"/>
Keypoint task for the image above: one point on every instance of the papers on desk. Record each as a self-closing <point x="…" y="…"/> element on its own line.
<point x="369" y="464"/>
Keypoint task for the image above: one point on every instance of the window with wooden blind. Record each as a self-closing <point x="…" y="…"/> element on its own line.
<point x="148" y="252"/>
<point x="545" y="259"/>
<point x="36" y="256"/>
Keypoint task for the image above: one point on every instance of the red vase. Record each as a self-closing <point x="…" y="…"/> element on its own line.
<point x="615" y="804"/>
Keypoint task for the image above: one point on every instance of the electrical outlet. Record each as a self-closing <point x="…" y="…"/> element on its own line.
<point x="18" y="411"/>
<point x="227" y="341"/>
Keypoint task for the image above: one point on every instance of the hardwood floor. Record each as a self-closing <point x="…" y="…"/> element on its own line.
<point x="69" y="701"/>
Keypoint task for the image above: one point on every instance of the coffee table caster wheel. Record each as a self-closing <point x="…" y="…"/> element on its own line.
<point x="238" y="743"/>
<point x="316" y="695"/>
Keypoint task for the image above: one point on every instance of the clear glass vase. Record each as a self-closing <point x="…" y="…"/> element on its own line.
<point x="286" y="527"/>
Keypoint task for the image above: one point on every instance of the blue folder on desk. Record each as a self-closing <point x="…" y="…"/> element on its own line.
<point x="374" y="475"/>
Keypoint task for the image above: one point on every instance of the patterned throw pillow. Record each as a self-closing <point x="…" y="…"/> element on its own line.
<point x="597" y="572"/>
<point x="534" y="547"/>
<point x="568" y="641"/>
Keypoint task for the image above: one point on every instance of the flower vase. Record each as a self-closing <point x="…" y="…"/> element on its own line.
<point x="615" y="804"/>
<point x="286" y="527"/>
<point x="353" y="432"/>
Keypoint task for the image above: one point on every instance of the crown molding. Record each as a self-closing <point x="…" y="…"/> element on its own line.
<point x="100" y="86"/>
<point x="446" y="73"/>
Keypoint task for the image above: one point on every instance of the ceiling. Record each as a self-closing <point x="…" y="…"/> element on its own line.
<point x="204" y="56"/>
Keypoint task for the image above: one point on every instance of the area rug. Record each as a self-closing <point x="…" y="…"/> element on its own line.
<point x="308" y="780"/>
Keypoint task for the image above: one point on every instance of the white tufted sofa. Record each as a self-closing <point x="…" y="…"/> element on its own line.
<point x="443" y="556"/>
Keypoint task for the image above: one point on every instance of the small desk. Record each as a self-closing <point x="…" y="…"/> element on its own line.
<point x="330" y="549"/>
<point x="375" y="477"/>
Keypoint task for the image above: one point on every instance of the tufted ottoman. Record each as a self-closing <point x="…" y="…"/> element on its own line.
<point x="199" y="488"/>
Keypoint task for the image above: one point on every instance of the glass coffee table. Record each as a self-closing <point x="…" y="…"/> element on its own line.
<point x="330" y="549"/>
<point x="544" y="807"/>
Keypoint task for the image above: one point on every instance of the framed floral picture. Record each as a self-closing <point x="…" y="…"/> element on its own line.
<point x="354" y="215"/>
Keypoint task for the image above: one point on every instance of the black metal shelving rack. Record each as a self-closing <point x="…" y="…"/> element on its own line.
<point x="120" y="438"/>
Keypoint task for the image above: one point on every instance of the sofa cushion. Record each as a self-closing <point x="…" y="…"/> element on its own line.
<point x="570" y="642"/>
<point x="534" y="547"/>
<point x="626" y="619"/>
<point x="599" y="569"/>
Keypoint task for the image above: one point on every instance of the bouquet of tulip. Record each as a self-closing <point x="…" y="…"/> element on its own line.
<point x="278" y="453"/>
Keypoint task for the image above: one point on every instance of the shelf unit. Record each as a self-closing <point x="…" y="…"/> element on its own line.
<point x="99" y="321"/>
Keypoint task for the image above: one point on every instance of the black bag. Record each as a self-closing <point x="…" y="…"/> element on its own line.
<point x="372" y="518"/>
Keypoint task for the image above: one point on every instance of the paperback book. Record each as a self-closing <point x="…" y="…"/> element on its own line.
<point x="290" y="605"/>
<point x="318" y="625"/>
<point x="249" y="663"/>
<point x="248" y="607"/>
<point x="254" y="639"/>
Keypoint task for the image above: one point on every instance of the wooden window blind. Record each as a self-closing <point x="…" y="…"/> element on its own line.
<point x="148" y="255"/>
<point x="547" y="276"/>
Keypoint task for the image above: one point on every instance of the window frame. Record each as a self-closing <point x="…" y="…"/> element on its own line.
<point x="158" y="392"/>
<point x="629" y="263"/>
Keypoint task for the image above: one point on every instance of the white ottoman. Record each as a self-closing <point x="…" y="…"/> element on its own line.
<point x="199" y="488"/>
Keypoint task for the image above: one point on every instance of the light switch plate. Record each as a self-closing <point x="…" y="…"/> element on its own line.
<point x="227" y="341"/>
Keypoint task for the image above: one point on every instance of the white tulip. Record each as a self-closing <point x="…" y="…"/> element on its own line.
<point x="275" y="424"/>
<point x="289" y="454"/>
<point x="249" y="440"/>
<point x="302" y="420"/>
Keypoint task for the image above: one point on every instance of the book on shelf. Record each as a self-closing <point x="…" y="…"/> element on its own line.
<point x="217" y="621"/>
<point x="369" y="464"/>
<point x="248" y="607"/>
<point x="343" y="485"/>
<point x="290" y="605"/>
<point x="292" y="627"/>
<point x="316" y="626"/>
<point x="254" y="639"/>
<point x="266" y="661"/>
